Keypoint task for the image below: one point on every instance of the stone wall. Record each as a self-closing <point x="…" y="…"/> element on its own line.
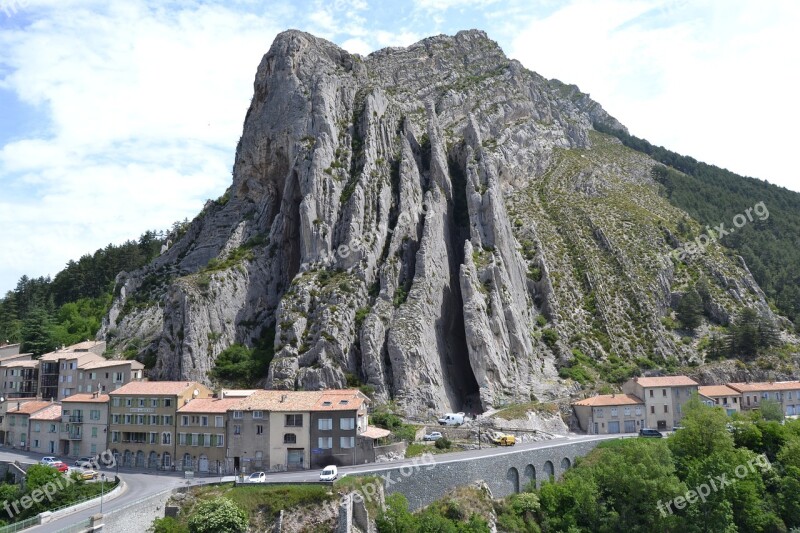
<point x="505" y="473"/>
<point x="138" y="516"/>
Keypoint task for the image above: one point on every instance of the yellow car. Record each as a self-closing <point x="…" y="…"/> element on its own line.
<point x="507" y="440"/>
<point x="89" y="474"/>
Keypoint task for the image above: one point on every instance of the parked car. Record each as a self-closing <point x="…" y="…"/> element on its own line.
<point x="49" y="461"/>
<point x="257" y="477"/>
<point x="645" y="432"/>
<point x="506" y="440"/>
<point x="452" y="419"/>
<point x="433" y="435"/>
<point x="329" y="473"/>
<point x="86" y="462"/>
<point x="61" y="467"/>
<point x="90" y="474"/>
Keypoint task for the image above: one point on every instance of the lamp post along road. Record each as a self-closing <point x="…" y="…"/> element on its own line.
<point x="102" y="488"/>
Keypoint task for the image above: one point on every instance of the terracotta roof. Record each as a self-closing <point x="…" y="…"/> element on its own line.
<point x="87" y="397"/>
<point x="210" y="405"/>
<point x="373" y="432"/>
<point x="280" y="400"/>
<point x="717" y="390"/>
<point x="13" y="356"/>
<point x="52" y="412"/>
<point x="603" y="400"/>
<point x="156" y="388"/>
<point x="24" y="364"/>
<point x="765" y="386"/>
<point x="103" y="363"/>
<point x="85" y="345"/>
<point x="29" y="407"/>
<point x="340" y="400"/>
<point x="665" y="381"/>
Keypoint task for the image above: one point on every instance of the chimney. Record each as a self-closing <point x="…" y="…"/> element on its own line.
<point x="283" y="398"/>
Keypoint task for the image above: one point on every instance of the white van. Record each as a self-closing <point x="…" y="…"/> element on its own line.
<point x="329" y="473"/>
<point x="452" y="419"/>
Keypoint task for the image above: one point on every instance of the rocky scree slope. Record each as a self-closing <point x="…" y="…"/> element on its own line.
<point x="436" y="221"/>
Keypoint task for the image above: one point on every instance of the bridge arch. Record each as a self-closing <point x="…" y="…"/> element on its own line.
<point x="530" y="475"/>
<point x="549" y="470"/>
<point x="565" y="464"/>
<point x="513" y="478"/>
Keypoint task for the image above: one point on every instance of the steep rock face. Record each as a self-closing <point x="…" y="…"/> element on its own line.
<point x="434" y="221"/>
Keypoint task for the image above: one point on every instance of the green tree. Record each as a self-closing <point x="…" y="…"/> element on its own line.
<point x="220" y="515"/>
<point x="396" y="518"/>
<point x="690" y="309"/>
<point x="705" y="432"/>
<point x="37" y="332"/>
<point x="771" y="410"/>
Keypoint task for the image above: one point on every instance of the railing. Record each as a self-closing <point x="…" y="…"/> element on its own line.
<point x="76" y="418"/>
<point x="19" y="526"/>
<point x="75" y="436"/>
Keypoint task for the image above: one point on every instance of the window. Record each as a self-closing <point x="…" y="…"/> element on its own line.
<point x="53" y="428"/>
<point x="347" y="423"/>
<point x="94" y="449"/>
<point x="115" y="436"/>
<point x="37" y="427"/>
<point x="258" y="414"/>
<point x="94" y="414"/>
<point x="295" y="421"/>
<point x="290" y="438"/>
<point x="218" y="422"/>
<point x="166" y="438"/>
<point x="154" y="402"/>
<point x="204" y="421"/>
<point x="614" y="412"/>
<point x="128" y="402"/>
<point x="94" y="432"/>
<point x="666" y="408"/>
<point x="153" y="420"/>
<point x="325" y="424"/>
<point x="206" y="440"/>
<point x="651" y="393"/>
<point x="220" y="441"/>
<point x="237" y="414"/>
<point x="128" y="419"/>
<point x="237" y="429"/>
<point x="141" y="402"/>
<point x="153" y="438"/>
<point x="736" y="400"/>
<point x="347" y="442"/>
<point x="36" y="443"/>
<point x="652" y="409"/>
<point x="325" y="443"/>
<point x="194" y="439"/>
<point x="259" y="429"/>
<point x="167" y="420"/>
<point x="663" y="392"/>
<point x="638" y="411"/>
<point x="626" y="411"/>
<point x="140" y="419"/>
<point x="184" y="420"/>
<point x="80" y="376"/>
<point x="181" y="439"/>
<point x="599" y="412"/>
<point x="167" y="402"/>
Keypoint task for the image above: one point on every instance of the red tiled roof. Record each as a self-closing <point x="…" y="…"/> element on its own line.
<point x="85" y="397"/>
<point x="52" y="412"/>
<point x="716" y="390"/>
<point x="210" y="405"/>
<point x="154" y="388"/>
<point x="373" y="432"/>
<point x="665" y="381"/>
<point x="765" y="386"/>
<point x="29" y="407"/>
<point x="604" y="400"/>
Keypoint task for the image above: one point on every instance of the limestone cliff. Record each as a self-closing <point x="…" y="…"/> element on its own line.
<point x="436" y="220"/>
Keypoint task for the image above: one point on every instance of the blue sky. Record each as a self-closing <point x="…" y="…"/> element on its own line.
<point x="118" y="117"/>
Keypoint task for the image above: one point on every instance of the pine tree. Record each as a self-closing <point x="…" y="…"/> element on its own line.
<point x="690" y="309"/>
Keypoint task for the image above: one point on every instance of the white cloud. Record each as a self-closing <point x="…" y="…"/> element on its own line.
<point x="145" y="109"/>
<point x="712" y="80"/>
<point x="357" y="46"/>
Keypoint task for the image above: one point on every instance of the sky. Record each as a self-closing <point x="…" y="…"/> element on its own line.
<point x="121" y="117"/>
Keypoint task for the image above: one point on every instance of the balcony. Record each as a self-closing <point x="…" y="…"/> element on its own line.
<point x="76" y="419"/>
<point x="75" y="435"/>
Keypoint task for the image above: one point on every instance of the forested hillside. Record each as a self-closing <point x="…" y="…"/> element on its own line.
<point x="713" y="195"/>
<point x="43" y="313"/>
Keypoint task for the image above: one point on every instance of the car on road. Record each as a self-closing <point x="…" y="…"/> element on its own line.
<point x="652" y="433"/>
<point x="49" y="460"/>
<point x="90" y="474"/>
<point x="60" y="466"/>
<point x="86" y="462"/>
<point x="329" y="473"/>
<point x="452" y="419"/>
<point x="433" y="435"/>
<point x="257" y="477"/>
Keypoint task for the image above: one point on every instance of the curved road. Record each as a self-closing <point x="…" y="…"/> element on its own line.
<point x="141" y="484"/>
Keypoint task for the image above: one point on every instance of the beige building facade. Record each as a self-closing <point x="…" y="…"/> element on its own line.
<point x="610" y="414"/>
<point x="664" y="398"/>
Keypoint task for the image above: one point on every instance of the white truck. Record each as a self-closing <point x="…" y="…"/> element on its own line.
<point x="452" y="419"/>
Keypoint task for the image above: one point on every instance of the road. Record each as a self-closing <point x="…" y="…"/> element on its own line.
<point x="140" y="484"/>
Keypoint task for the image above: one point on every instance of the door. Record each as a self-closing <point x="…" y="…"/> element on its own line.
<point x="202" y="463"/>
<point x="613" y="427"/>
<point x="294" y="458"/>
<point x="630" y="426"/>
